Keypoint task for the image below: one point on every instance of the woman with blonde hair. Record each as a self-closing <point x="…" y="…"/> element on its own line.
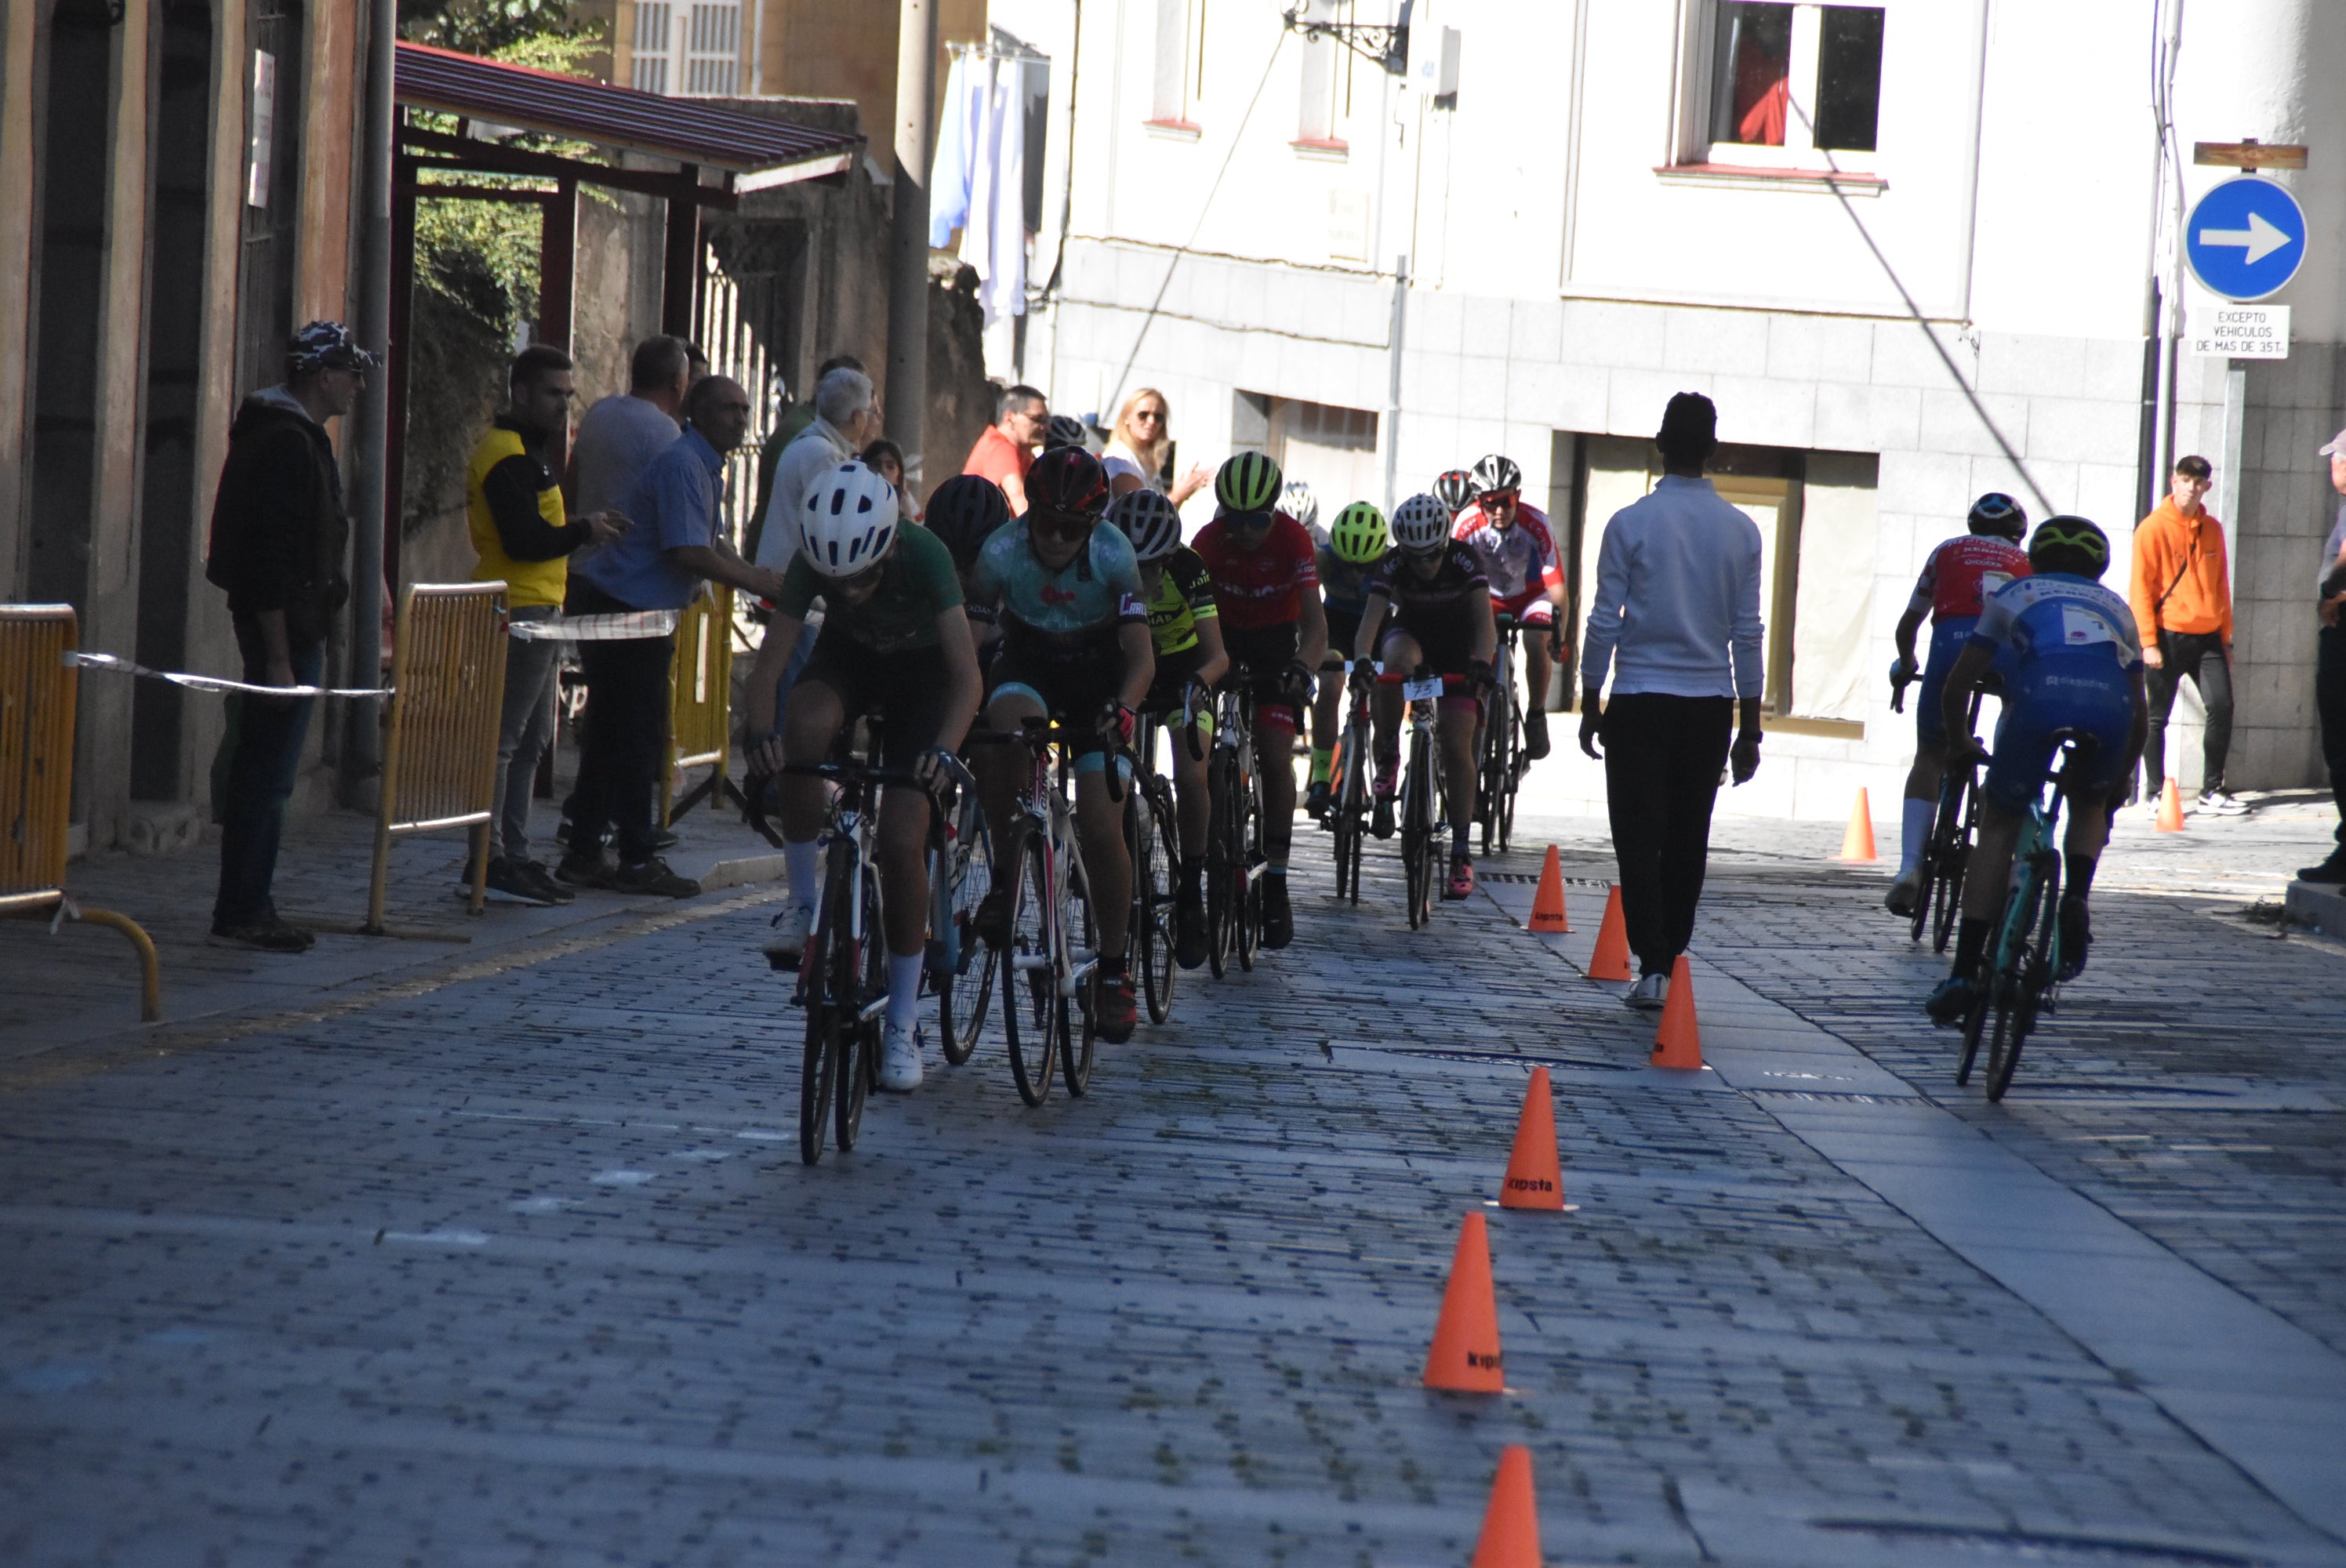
<point x="1135" y="454"/>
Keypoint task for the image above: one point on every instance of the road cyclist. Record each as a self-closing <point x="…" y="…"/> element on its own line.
<point x="1184" y="628"/>
<point x="1454" y="488"/>
<point x="1357" y="541"/>
<point x="963" y="513"/>
<point x="2073" y="675"/>
<point x="1267" y="586"/>
<point x="1076" y="648"/>
<point x="1959" y="578"/>
<point x="1429" y="612"/>
<point x="1517" y="549"/>
<point x="894" y="643"/>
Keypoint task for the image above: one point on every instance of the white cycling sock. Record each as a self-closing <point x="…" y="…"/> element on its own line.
<point x="804" y="864"/>
<point x="903" y="991"/>
<point x="1919" y="816"/>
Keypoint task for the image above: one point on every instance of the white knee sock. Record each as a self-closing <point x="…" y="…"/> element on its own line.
<point x="803" y="862"/>
<point x="903" y="991"/>
<point x="1919" y="816"/>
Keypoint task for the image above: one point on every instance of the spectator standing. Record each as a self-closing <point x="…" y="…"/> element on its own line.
<point x="2329" y="663"/>
<point x="847" y="417"/>
<point x="280" y="547"/>
<point x="674" y="546"/>
<point x="621" y="435"/>
<point x="524" y="539"/>
<point x="2181" y="596"/>
<point x="1676" y="621"/>
<point x="886" y="459"/>
<point x="1006" y="448"/>
<point x="1140" y="445"/>
<point x="788" y="429"/>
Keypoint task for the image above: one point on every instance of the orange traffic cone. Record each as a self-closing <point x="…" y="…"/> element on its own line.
<point x="1510" y="1537"/>
<point x="1611" y="959"/>
<point x="1547" y="904"/>
<point x="1677" y="1042"/>
<point x="2170" y="808"/>
<point x="1464" y="1356"/>
<point x="1534" y="1177"/>
<point x="1857" y="843"/>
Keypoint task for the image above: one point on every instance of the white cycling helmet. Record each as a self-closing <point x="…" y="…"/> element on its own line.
<point x="1420" y="522"/>
<point x="1150" y="521"/>
<point x="1298" y="502"/>
<point x="851" y="519"/>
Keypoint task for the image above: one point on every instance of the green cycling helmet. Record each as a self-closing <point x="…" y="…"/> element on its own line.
<point x="2069" y="544"/>
<point x="1359" y="534"/>
<point x="1250" y="482"/>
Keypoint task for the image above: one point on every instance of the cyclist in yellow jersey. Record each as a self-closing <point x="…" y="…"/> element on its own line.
<point x="1187" y="629"/>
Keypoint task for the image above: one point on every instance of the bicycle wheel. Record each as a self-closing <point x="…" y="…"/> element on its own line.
<point x="819" y="1068"/>
<point x="965" y="984"/>
<point x="1159" y="970"/>
<point x="1954" y="862"/>
<point x="864" y="965"/>
<point x="2012" y="998"/>
<point x="1490" y="782"/>
<point x="1221" y="859"/>
<point x="1511" y="774"/>
<point x="1030" y="1002"/>
<point x="1079" y="1024"/>
<point x="2034" y="974"/>
<point x="1246" y="885"/>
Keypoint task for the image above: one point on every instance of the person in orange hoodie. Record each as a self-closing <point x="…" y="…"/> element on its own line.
<point x="2182" y="599"/>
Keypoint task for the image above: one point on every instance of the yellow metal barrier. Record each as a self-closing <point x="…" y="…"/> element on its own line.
<point x="700" y="703"/>
<point x="440" y="739"/>
<point x="37" y="746"/>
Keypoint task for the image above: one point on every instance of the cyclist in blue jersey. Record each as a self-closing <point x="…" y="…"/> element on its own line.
<point x="1356" y="542"/>
<point x="2070" y="659"/>
<point x="1074" y="646"/>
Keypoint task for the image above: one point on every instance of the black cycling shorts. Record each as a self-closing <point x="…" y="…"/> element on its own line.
<point x="1262" y="655"/>
<point x="908" y="690"/>
<point x="1074" y="685"/>
<point x="1343" y="631"/>
<point x="1174" y="671"/>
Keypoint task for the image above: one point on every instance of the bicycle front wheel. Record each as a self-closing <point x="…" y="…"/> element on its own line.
<point x="818" y="1067"/>
<point x="1152" y="945"/>
<point x="1247" y="882"/>
<point x="865" y="966"/>
<point x="1031" y="1003"/>
<point x="1225" y="858"/>
<point x="2035" y="974"/>
<point x="1080" y="1023"/>
<point x="965" y="984"/>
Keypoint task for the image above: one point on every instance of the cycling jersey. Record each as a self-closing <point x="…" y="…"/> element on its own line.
<point x="2066" y="649"/>
<point x="1962" y="572"/>
<point x="1184" y="596"/>
<point x="1521" y="561"/>
<point x="1264" y="586"/>
<point x="916" y="586"/>
<point x="1441" y="601"/>
<point x="1080" y="603"/>
<point x="1343" y="585"/>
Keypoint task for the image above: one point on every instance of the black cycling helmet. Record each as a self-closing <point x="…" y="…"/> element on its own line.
<point x="963" y="513"/>
<point x="1455" y="490"/>
<point x="1250" y="482"/>
<point x="1149" y="520"/>
<point x="2072" y="545"/>
<point x="1067" y="481"/>
<point x="1065" y="429"/>
<point x="327" y="345"/>
<point x="1996" y="513"/>
<point x="1498" y="472"/>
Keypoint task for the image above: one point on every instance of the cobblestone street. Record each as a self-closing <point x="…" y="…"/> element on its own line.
<point x="505" y="1256"/>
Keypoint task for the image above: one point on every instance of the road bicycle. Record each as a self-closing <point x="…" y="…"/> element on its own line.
<point x="1234" y="857"/>
<point x="1499" y="745"/>
<point x="1347" y="818"/>
<point x="1423" y="825"/>
<point x="2025" y="951"/>
<point x="1954" y="826"/>
<point x="1152" y="838"/>
<point x="1047" y="962"/>
<point x="960" y="970"/>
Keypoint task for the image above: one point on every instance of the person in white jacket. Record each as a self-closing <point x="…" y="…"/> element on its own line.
<point x="1675" y="622"/>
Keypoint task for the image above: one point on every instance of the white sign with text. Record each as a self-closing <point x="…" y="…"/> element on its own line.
<point x="2226" y="330"/>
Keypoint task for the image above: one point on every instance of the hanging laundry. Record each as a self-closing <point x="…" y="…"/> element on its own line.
<point x="949" y="174"/>
<point x="993" y="240"/>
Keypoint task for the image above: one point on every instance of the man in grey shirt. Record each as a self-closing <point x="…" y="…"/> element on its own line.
<point x="1676" y="618"/>
<point x="847" y="417"/>
<point x="622" y="433"/>
<point x="2330" y="664"/>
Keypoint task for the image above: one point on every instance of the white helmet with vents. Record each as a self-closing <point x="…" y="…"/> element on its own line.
<point x="849" y="522"/>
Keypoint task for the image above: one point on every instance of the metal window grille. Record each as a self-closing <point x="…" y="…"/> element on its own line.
<point x="713" y="48"/>
<point x="651" y="52"/>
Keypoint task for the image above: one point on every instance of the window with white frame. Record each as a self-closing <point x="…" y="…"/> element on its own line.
<point x="1325" y="94"/>
<point x="1792" y="86"/>
<point x="690" y="48"/>
<point x="1180" y="64"/>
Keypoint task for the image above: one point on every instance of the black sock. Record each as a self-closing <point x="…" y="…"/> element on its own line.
<point x="1193" y="872"/>
<point x="2081" y="875"/>
<point x="1112" y="968"/>
<point x="1458" y="844"/>
<point x="1971" y="943"/>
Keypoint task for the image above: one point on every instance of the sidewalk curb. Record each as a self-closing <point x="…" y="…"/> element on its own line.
<point x="2322" y="903"/>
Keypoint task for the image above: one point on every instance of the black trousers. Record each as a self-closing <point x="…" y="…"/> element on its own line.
<point x="626" y="724"/>
<point x="2330" y="702"/>
<point x="1662" y="760"/>
<point x="2200" y="655"/>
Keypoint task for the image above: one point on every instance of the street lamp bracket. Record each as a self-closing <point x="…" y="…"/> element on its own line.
<point x="1382" y="43"/>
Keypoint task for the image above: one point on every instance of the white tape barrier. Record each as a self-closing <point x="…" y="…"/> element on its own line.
<point x="628" y="627"/>
<point x="213" y="683"/>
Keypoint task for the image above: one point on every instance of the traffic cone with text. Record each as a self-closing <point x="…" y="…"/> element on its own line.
<point x="1677" y="1042"/>
<point x="1464" y="1356"/>
<point x="1857" y="843"/>
<point x="1611" y="959"/>
<point x="1534" y="1177"/>
<point x="1547" y="904"/>
<point x="2170" y="808"/>
<point x="1510" y="1537"/>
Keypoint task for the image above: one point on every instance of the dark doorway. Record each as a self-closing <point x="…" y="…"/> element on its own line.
<point x="272" y="191"/>
<point x="70" y="269"/>
<point x="169" y="521"/>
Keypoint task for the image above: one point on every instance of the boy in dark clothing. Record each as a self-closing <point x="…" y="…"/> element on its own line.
<point x="280" y="541"/>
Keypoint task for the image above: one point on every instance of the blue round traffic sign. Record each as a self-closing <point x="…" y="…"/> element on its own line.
<point x="2245" y="239"/>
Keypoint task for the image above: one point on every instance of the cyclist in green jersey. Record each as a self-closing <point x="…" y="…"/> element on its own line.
<point x="1356" y="542"/>
<point x="1186" y="629"/>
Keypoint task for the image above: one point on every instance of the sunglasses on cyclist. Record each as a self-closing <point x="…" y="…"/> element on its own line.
<point x="1252" y="522"/>
<point x="1067" y="528"/>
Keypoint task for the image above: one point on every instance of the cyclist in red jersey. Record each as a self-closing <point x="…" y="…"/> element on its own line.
<point x="1517" y="549"/>
<point x="1275" y="632"/>
<point x="1958" y="578"/>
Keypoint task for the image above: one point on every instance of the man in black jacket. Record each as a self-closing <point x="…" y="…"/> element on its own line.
<point x="280" y="541"/>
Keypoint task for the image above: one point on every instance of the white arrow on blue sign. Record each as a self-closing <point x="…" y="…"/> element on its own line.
<point x="2245" y="239"/>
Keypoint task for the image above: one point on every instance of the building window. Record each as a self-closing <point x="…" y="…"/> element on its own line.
<point x="1325" y="86"/>
<point x="689" y="48"/>
<point x="1180" y="61"/>
<point x="1790" y="84"/>
<point x="1332" y="449"/>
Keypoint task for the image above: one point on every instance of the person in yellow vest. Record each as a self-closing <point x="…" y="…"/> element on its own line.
<point x="513" y="501"/>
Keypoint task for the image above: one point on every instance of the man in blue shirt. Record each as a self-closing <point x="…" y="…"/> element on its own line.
<point x="661" y="564"/>
<point x="2070" y="659"/>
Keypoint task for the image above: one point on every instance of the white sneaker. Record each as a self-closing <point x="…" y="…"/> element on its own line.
<point x="1648" y="994"/>
<point x="1905" y="893"/>
<point x="900" y="1059"/>
<point x="2219" y="803"/>
<point x="790" y="937"/>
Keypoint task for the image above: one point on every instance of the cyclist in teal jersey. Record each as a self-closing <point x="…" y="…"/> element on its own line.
<point x="1074" y="646"/>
